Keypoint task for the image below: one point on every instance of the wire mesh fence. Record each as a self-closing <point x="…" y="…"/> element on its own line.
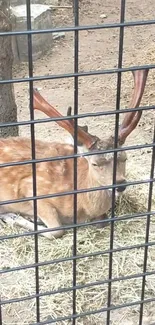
<point x="101" y="286"/>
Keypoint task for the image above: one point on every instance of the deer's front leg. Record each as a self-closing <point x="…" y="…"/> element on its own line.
<point x="13" y="219"/>
<point x="102" y="217"/>
<point x="48" y="214"/>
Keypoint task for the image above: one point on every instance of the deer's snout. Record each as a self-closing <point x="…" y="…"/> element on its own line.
<point x="123" y="187"/>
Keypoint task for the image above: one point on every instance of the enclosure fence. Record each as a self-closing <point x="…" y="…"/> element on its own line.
<point x="75" y="256"/>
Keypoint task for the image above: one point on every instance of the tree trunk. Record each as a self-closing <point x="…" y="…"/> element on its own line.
<point x="8" y="108"/>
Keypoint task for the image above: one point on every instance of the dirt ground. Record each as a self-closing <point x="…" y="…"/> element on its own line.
<point x="97" y="50"/>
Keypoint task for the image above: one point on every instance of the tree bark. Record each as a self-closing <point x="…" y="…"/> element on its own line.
<point x="8" y="108"/>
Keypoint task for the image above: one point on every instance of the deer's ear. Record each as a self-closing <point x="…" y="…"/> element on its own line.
<point x="85" y="128"/>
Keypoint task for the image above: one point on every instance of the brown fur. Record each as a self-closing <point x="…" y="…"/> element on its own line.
<point x="54" y="177"/>
<point x="58" y="176"/>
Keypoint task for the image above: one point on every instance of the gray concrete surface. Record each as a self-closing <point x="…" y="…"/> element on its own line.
<point x="23" y="2"/>
<point x="41" y="18"/>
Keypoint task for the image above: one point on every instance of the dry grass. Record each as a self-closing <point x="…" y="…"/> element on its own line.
<point x="20" y="251"/>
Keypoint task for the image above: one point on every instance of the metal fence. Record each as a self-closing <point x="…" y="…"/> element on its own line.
<point x="75" y="256"/>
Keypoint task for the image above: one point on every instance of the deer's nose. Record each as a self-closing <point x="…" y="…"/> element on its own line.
<point x="121" y="188"/>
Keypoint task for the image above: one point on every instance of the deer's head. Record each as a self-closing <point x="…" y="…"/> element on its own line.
<point x="101" y="164"/>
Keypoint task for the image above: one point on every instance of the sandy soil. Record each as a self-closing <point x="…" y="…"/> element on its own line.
<point x="97" y="50"/>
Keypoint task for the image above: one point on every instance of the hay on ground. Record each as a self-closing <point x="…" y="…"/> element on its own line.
<point x="52" y="277"/>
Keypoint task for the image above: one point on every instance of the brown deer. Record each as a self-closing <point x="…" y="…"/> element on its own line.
<point x="58" y="176"/>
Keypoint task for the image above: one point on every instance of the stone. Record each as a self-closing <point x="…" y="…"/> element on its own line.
<point x="41" y="18"/>
<point x="42" y="2"/>
<point x="103" y="16"/>
<point x="57" y="35"/>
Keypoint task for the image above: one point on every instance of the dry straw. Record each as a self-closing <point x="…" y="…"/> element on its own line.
<point x="20" y="251"/>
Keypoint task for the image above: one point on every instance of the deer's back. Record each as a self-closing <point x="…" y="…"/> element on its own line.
<point x="15" y="179"/>
<point x="51" y="177"/>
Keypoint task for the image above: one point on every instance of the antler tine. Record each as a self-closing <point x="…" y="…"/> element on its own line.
<point x="132" y="118"/>
<point x="69" y="111"/>
<point x="84" y="128"/>
<point x="42" y="105"/>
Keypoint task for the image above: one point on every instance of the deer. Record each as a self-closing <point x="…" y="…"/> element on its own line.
<point x="57" y="176"/>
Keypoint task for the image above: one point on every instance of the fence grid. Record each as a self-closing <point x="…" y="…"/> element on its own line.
<point x="122" y="25"/>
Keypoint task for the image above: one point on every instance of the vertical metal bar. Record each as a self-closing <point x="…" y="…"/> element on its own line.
<point x="76" y="52"/>
<point x="147" y="230"/>
<point x="30" y="63"/>
<point x="1" y="322"/>
<point x="118" y="96"/>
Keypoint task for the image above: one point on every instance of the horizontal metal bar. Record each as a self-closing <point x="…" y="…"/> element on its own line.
<point x="79" y="28"/>
<point x="85" y="154"/>
<point x="77" y="287"/>
<point x="93" y="312"/>
<point x="77" y="257"/>
<point x="80" y="225"/>
<point x="79" y="116"/>
<point x="78" y="74"/>
<point x="88" y="190"/>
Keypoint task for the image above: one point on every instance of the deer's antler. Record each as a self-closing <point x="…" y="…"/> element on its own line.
<point x="132" y="118"/>
<point x="69" y="113"/>
<point x="42" y="105"/>
<point x="128" y="125"/>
